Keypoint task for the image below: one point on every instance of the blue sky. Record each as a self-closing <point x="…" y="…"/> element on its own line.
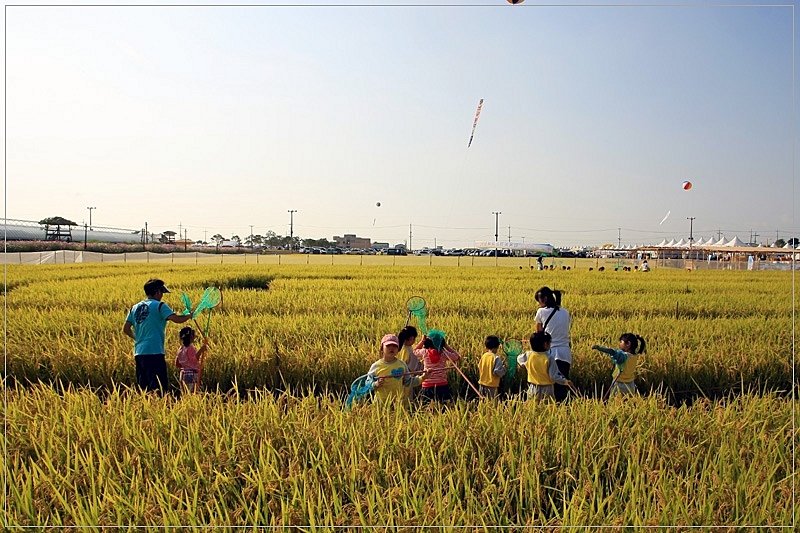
<point x="218" y="118"/>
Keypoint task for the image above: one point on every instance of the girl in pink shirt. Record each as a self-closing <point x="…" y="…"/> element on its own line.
<point x="188" y="359"/>
<point x="434" y="353"/>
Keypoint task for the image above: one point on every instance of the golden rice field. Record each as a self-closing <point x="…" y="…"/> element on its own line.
<point x="273" y="446"/>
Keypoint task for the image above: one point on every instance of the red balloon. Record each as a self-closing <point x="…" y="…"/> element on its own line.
<point x="687" y="185"/>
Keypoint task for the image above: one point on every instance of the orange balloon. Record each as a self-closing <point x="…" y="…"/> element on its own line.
<point x="687" y="185"/>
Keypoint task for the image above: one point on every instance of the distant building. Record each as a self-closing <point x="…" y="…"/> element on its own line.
<point x="351" y="241"/>
<point x="380" y="245"/>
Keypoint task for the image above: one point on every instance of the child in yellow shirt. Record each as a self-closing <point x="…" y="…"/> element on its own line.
<point x="391" y="373"/>
<point x="491" y="367"/>
<point x="625" y="360"/>
<point x="541" y="368"/>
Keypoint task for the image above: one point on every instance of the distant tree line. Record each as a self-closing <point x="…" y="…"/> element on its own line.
<point x="271" y="240"/>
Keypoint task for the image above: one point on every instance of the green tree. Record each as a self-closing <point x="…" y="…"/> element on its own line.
<point x="253" y="240"/>
<point x="57" y="221"/>
<point x="323" y="243"/>
<point x="272" y="239"/>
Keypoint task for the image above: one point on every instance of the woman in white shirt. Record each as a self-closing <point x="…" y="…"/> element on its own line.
<point x="555" y="320"/>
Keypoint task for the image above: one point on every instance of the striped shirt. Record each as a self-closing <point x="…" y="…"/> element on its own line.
<point x="436" y="371"/>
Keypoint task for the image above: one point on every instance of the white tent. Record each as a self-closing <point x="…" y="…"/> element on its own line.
<point x="709" y="242"/>
<point x="721" y="242"/>
<point x="670" y="244"/>
<point x="736" y="241"/>
<point x="680" y="243"/>
<point x="662" y="243"/>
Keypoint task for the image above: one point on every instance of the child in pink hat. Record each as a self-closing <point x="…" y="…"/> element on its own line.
<point x="391" y="373"/>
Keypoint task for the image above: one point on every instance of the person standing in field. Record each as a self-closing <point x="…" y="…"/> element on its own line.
<point x="491" y="368"/>
<point x="408" y="338"/>
<point x="626" y="359"/>
<point x="391" y="373"/>
<point x="555" y="320"/>
<point x="188" y="359"/>
<point x="541" y="368"/>
<point x="434" y="352"/>
<point x="146" y="324"/>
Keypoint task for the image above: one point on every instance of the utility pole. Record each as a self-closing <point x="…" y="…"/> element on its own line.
<point x="145" y="234"/>
<point x="409" y="238"/>
<point x="90" y="216"/>
<point x="619" y="238"/>
<point x="496" y="230"/>
<point x="719" y="234"/>
<point x="205" y="236"/>
<point x="251" y="236"/>
<point x="185" y="243"/>
<point x="509" y="233"/>
<point x="691" y="234"/>
<point x="291" y="227"/>
<point x="755" y="238"/>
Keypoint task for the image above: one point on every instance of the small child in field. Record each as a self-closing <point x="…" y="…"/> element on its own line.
<point x="626" y="359"/>
<point x="391" y="373"/>
<point x="188" y="359"/>
<point x="408" y="338"/>
<point x="492" y="368"/>
<point x="541" y="367"/>
<point x="434" y="352"/>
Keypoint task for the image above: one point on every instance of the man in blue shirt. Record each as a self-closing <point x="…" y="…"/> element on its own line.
<point x="146" y="324"/>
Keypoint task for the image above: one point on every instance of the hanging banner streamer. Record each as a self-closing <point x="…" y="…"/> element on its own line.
<point x="475" y="122"/>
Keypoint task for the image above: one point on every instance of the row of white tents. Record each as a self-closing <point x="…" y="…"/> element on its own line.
<point x="736" y="242"/>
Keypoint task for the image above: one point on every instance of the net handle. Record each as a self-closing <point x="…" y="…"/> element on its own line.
<point x="208" y="327"/>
